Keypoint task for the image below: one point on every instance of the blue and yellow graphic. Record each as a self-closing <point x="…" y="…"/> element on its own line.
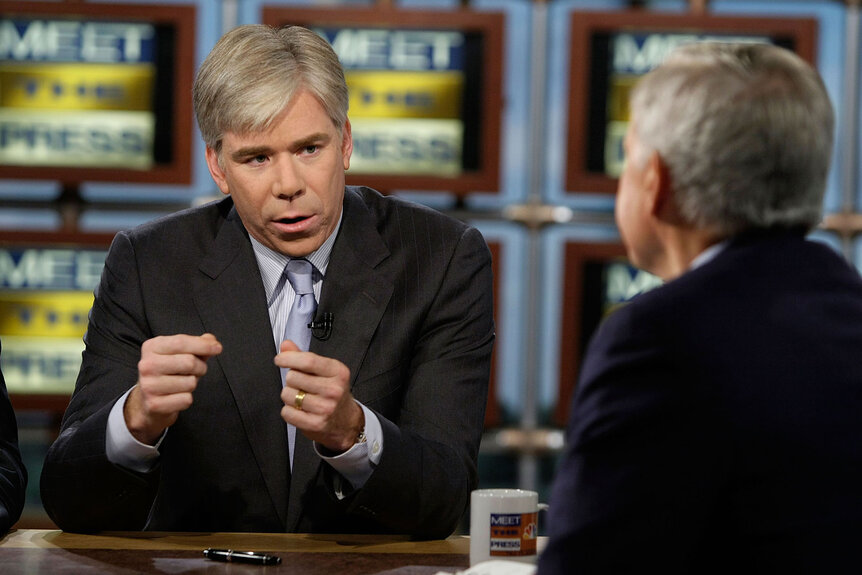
<point x="41" y="364"/>
<point x="397" y="49"/>
<point x="406" y="146"/>
<point x="45" y="298"/>
<point x="77" y="86"/>
<point x="43" y="339"/>
<point x="386" y="94"/>
<point x="54" y="314"/>
<point x="102" y="138"/>
<point x="76" y="93"/>
<point x="71" y="40"/>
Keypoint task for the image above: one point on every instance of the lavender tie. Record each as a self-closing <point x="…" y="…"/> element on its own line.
<point x="299" y="274"/>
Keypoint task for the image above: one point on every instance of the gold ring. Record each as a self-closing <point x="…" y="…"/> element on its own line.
<point x="297" y="401"/>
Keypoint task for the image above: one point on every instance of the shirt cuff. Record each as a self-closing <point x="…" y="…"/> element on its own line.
<point x="358" y="463"/>
<point x="122" y="448"/>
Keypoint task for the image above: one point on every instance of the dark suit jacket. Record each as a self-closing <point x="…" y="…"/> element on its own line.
<point x="718" y="423"/>
<point x="13" y="474"/>
<point x="411" y="295"/>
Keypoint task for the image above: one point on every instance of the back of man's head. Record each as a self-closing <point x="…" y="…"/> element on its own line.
<point x="745" y="131"/>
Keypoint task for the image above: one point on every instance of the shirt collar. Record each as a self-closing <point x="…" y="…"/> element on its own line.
<point x="708" y="254"/>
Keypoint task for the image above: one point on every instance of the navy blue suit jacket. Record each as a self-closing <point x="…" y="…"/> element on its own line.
<point x="411" y="295"/>
<point x="717" y="426"/>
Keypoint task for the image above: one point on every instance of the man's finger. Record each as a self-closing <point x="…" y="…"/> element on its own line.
<point x="288" y="345"/>
<point x="205" y="345"/>
<point x="168" y="384"/>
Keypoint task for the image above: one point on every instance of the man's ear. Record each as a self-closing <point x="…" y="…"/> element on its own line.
<point x="216" y="171"/>
<point x="658" y="187"/>
<point x="346" y="144"/>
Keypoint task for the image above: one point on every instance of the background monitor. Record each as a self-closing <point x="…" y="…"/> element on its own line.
<point x="425" y="93"/>
<point x="46" y="292"/>
<point x="96" y="92"/>
<point x="610" y="50"/>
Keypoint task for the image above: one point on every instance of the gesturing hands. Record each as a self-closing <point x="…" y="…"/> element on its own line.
<point x="325" y="411"/>
<point x="168" y="374"/>
<point x="171" y="366"/>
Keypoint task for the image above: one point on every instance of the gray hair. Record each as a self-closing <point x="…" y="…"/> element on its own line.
<point x="745" y="131"/>
<point x="252" y="73"/>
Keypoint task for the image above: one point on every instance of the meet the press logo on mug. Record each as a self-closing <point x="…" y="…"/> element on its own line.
<point x="513" y="534"/>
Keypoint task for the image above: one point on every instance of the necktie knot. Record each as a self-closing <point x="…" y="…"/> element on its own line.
<point x="299" y="274"/>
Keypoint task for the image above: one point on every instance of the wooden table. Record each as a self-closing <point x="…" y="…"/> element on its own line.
<point x="55" y="552"/>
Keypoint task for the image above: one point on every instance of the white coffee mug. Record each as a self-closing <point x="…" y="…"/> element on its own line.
<point x="504" y="524"/>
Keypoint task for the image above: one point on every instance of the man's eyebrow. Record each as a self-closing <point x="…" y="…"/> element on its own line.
<point x="250" y="152"/>
<point x="311" y="140"/>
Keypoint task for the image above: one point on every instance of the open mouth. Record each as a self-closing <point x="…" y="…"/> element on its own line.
<point x="292" y="220"/>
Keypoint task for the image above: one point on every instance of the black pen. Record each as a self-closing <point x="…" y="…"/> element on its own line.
<point x="231" y="556"/>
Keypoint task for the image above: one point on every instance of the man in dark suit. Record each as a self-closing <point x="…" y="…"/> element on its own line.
<point x="13" y="474"/>
<point x="716" y="426"/>
<point x="180" y="419"/>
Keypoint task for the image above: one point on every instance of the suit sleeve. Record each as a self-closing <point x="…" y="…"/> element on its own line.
<point x="81" y="490"/>
<point x="643" y="460"/>
<point x="13" y="474"/>
<point x="423" y="481"/>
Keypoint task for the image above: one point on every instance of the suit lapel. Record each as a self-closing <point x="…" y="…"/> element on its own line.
<point x="357" y="295"/>
<point x="230" y="299"/>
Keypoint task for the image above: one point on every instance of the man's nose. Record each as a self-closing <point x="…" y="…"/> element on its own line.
<point x="289" y="182"/>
